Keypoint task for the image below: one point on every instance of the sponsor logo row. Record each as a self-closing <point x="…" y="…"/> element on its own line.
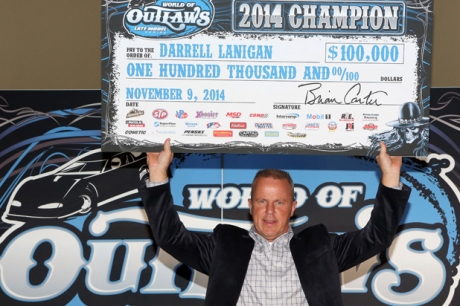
<point x="162" y="114"/>
<point x="214" y="125"/>
<point x="220" y="133"/>
<point x="293" y="128"/>
<point x="232" y="133"/>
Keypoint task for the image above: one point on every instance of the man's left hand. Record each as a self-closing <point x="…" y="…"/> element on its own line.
<point x="390" y="167"/>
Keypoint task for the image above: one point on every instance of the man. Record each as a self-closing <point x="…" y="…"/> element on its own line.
<point x="270" y="265"/>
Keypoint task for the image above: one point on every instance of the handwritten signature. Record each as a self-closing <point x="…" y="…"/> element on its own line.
<point x="352" y="96"/>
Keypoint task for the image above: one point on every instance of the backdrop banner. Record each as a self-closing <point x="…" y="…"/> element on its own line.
<point x="73" y="229"/>
<point x="276" y="76"/>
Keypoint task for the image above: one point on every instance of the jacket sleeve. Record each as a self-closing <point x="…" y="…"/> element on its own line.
<point x="169" y="233"/>
<point x="355" y="247"/>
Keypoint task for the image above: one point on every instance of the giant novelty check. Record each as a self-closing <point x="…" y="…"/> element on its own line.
<point x="304" y="77"/>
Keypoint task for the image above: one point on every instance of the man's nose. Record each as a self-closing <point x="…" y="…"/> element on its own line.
<point x="270" y="207"/>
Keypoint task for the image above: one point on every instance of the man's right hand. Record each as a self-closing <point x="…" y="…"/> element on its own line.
<point x="158" y="162"/>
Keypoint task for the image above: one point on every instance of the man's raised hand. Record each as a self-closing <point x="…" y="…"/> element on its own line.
<point x="158" y="162"/>
<point x="390" y="167"/>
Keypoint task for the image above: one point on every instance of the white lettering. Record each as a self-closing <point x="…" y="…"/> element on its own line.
<point x="229" y="198"/>
<point x="162" y="281"/>
<point x="423" y="264"/>
<point x="101" y="263"/>
<point x="63" y="266"/>
<point x="329" y="196"/>
<point x="202" y="198"/>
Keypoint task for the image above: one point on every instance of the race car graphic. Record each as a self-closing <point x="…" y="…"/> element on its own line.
<point x="76" y="187"/>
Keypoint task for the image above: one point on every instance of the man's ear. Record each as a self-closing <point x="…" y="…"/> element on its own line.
<point x="294" y="205"/>
<point x="250" y="205"/>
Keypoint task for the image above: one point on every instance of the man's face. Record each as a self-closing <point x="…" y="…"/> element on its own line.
<point x="271" y="207"/>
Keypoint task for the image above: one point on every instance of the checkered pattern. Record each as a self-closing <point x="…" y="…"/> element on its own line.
<point x="272" y="279"/>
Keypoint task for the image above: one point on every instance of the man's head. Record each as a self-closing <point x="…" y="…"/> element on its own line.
<point x="272" y="202"/>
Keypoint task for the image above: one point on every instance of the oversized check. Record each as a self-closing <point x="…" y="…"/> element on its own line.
<point x="303" y="77"/>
